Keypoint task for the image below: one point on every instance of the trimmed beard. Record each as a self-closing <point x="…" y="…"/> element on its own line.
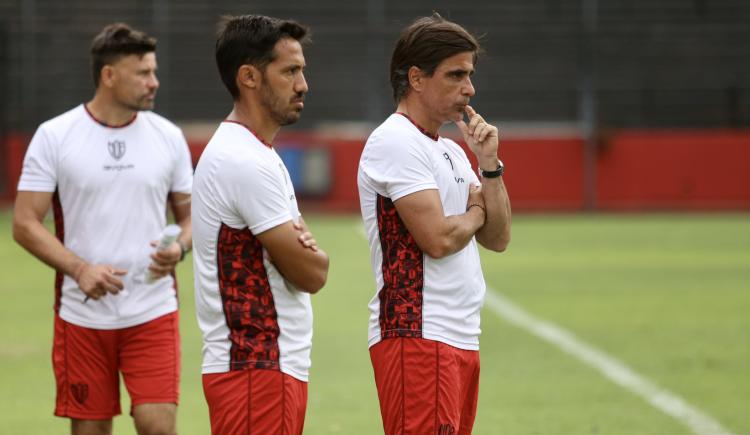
<point x="275" y="107"/>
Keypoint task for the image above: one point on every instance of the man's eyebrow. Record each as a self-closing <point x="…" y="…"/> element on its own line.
<point x="292" y="66"/>
<point x="461" y="71"/>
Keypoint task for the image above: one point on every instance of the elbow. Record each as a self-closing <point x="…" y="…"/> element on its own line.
<point x="436" y="253"/>
<point x="317" y="282"/>
<point x="438" y="249"/>
<point x="499" y="245"/>
<point x="16" y="233"/>
<point x="20" y="232"/>
<point x="317" y="278"/>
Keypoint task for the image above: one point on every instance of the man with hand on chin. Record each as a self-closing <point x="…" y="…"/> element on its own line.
<point x="424" y="211"/>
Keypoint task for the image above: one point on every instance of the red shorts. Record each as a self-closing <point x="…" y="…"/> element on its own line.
<point x="425" y="386"/>
<point x="87" y="363"/>
<point x="255" y="401"/>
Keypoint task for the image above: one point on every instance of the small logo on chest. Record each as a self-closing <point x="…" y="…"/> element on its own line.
<point x="448" y="159"/>
<point x="116" y="149"/>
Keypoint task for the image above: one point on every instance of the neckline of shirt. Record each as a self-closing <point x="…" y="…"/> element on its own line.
<point x="104" y="124"/>
<point x="424" y="131"/>
<point x="253" y="132"/>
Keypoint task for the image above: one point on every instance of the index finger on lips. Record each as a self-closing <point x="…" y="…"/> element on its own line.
<point x="474" y="122"/>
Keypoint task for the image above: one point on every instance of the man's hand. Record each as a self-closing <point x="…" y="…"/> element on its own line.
<point x="296" y="255"/>
<point x="476" y="198"/>
<point x="482" y="139"/>
<point x="306" y="237"/>
<point x="96" y="280"/>
<point x="163" y="261"/>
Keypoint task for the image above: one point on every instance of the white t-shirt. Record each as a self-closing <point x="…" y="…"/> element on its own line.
<point x="111" y="186"/>
<point x="417" y="295"/>
<point x="250" y="316"/>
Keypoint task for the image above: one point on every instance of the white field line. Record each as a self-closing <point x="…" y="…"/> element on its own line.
<point x="617" y="372"/>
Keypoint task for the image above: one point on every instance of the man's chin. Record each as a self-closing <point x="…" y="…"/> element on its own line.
<point x="456" y="116"/>
<point x="292" y="117"/>
<point x="147" y="103"/>
<point x="141" y="106"/>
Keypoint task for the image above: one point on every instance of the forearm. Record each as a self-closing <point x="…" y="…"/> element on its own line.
<point x="311" y="274"/>
<point x="482" y="138"/>
<point x="181" y="206"/>
<point x="435" y="234"/>
<point x="495" y="233"/>
<point x="36" y="238"/>
<point x="456" y="233"/>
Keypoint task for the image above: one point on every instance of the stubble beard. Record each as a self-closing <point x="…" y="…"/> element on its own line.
<point x="139" y="104"/>
<point x="276" y="107"/>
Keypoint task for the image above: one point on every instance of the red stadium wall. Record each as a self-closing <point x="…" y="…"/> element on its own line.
<point x="636" y="170"/>
<point x="544" y="174"/>
<point x="675" y="169"/>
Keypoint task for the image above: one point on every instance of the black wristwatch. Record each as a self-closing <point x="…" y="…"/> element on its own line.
<point x="494" y="174"/>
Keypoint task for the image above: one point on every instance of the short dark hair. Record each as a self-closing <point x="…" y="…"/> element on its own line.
<point x="114" y="41"/>
<point x="425" y="43"/>
<point x="250" y="39"/>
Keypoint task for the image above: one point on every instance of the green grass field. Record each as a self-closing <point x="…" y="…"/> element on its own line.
<point x="667" y="295"/>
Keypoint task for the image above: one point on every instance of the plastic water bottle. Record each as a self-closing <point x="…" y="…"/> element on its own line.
<point x="168" y="236"/>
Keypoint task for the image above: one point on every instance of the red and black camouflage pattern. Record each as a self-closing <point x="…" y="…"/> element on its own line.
<point x="57" y="213"/>
<point x="248" y="303"/>
<point x="403" y="275"/>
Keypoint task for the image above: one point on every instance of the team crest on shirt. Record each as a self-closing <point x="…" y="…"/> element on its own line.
<point x="116" y="149"/>
<point x="80" y="392"/>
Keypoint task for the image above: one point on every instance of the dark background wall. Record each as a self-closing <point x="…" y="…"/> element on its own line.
<point x="649" y="63"/>
<point x="602" y="104"/>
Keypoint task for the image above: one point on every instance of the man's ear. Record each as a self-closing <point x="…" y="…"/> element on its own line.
<point x="416" y="78"/>
<point x="107" y="76"/>
<point x="249" y="76"/>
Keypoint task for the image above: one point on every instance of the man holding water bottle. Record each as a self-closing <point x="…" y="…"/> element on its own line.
<point x="109" y="168"/>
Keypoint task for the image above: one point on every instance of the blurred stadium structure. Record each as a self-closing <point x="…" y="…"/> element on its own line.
<point x="603" y="104"/>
